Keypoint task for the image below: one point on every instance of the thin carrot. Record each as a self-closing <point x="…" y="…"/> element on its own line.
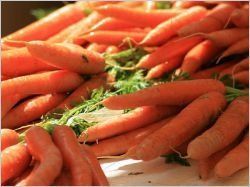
<point x="235" y="118"/>
<point x="48" y="82"/>
<point x="112" y="49"/>
<point x="164" y="31"/>
<point x="67" y="56"/>
<point x="165" y="94"/>
<point x="64" y="179"/>
<point x="236" y="159"/>
<point x="14" y="160"/>
<point x="137" y="118"/>
<point x="99" y="48"/>
<point x="30" y="110"/>
<point x="190" y="121"/>
<point x="47" y="154"/>
<point x="240" y="18"/>
<point x="65" y="139"/>
<point x="242" y="77"/>
<point x="8" y="138"/>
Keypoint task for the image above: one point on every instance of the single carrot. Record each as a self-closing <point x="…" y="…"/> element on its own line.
<point x="165" y="94"/>
<point x="190" y="121"/>
<point x="236" y="159"/>
<point x="99" y="48"/>
<point x="147" y="19"/>
<point x="30" y="110"/>
<point x="64" y="179"/>
<point x="235" y="118"/>
<point x="175" y="48"/>
<point x="65" y="139"/>
<point x="130" y="4"/>
<point x="42" y="83"/>
<point x="137" y="118"/>
<point x="43" y="149"/>
<point x="240" y="18"/>
<point x="99" y="178"/>
<point x="23" y="62"/>
<point x="112" y="49"/>
<point x="166" y="67"/>
<point x="14" y="160"/>
<point x="8" y="138"/>
<point x="67" y="56"/>
<point x="49" y="25"/>
<point x="188" y="4"/>
<point x="82" y="92"/>
<point x="242" y="77"/>
<point x="215" y="20"/>
<point x="165" y="30"/>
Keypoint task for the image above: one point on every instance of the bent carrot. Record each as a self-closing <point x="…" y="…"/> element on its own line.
<point x="46" y="153"/>
<point x="240" y="18"/>
<point x="139" y="117"/>
<point x="165" y="94"/>
<point x="8" y="138"/>
<point x="30" y="110"/>
<point x="65" y="139"/>
<point x="191" y="120"/>
<point x="48" y="82"/>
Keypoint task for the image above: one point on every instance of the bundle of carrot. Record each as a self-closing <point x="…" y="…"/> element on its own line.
<point x="172" y="80"/>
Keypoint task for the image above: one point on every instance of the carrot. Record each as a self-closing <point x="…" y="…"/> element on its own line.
<point x="14" y="160"/>
<point x="131" y="4"/>
<point x="99" y="48"/>
<point x="118" y="145"/>
<point x="150" y="5"/>
<point x="236" y="159"/>
<point x="147" y="19"/>
<point x="215" y="20"/>
<point x="67" y="56"/>
<point x="188" y="4"/>
<point x="190" y="121"/>
<point x="23" y="62"/>
<point x="65" y="139"/>
<point x="198" y="56"/>
<point x="112" y="49"/>
<point x="165" y="94"/>
<point x="175" y="48"/>
<point x="8" y="138"/>
<point x="30" y="110"/>
<point x="82" y="92"/>
<point x="242" y="77"/>
<point x="24" y="174"/>
<point x="166" y="67"/>
<point x="4" y="77"/>
<point x="42" y="83"/>
<point x="64" y="179"/>
<point x="240" y="18"/>
<point x="50" y="25"/>
<point x="137" y="118"/>
<point x="242" y="65"/>
<point x="112" y="37"/>
<point x="217" y="137"/>
<point x="47" y="154"/>
<point x="169" y="28"/>
<point x="99" y="178"/>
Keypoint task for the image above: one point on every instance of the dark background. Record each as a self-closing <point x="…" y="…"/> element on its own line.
<point x="16" y="14"/>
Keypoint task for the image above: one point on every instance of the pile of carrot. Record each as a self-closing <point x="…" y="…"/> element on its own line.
<point x="57" y="61"/>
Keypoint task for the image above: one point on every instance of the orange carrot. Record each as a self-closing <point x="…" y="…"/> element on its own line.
<point x="14" y="160"/>
<point x="137" y="118"/>
<point x="50" y="25"/>
<point x="169" y="28"/>
<point x="64" y="179"/>
<point x="147" y="19"/>
<point x="165" y="94"/>
<point x="99" y="48"/>
<point x="30" y="110"/>
<point x="242" y="65"/>
<point x="236" y="159"/>
<point x="190" y="121"/>
<point x="65" y="139"/>
<point x="188" y="4"/>
<point x="23" y="62"/>
<point x="42" y="83"/>
<point x="46" y="153"/>
<point x="163" y="68"/>
<point x="8" y="138"/>
<point x="215" y="20"/>
<point x="4" y="77"/>
<point x="235" y="118"/>
<point x="99" y="178"/>
<point x="112" y="49"/>
<point x="150" y="5"/>
<point x="242" y="77"/>
<point x="240" y="18"/>
<point x="175" y="48"/>
<point x="67" y="56"/>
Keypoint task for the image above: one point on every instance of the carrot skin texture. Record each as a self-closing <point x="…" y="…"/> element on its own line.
<point x="31" y="110"/>
<point x="174" y="134"/>
<point x="138" y="118"/>
<point x="8" y="138"/>
<point x="240" y="18"/>
<point x="99" y="48"/>
<point x="165" y="94"/>
<point x="64" y="179"/>
<point x="65" y="139"/>
<point x="13" y="164"/>
<point x="47" y="153"/>
<point x="235" y="117"/>
<point x="48" y="82"/>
